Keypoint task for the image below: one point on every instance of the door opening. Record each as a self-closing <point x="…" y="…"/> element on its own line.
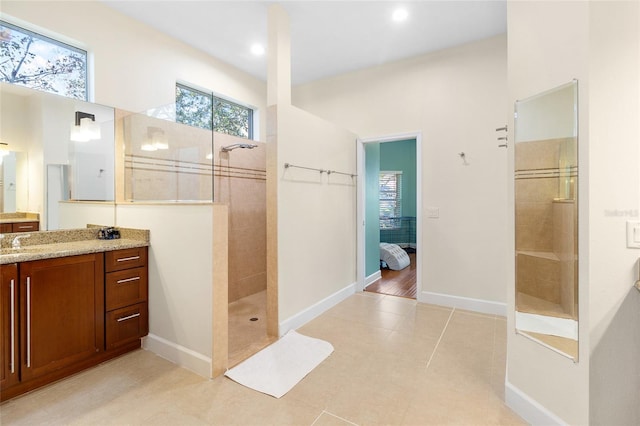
<point x="389" y="215"/>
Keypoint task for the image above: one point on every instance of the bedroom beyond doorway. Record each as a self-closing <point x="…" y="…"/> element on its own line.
<point x="391" y="208"/>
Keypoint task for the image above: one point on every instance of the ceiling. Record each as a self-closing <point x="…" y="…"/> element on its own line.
<point x="327" y="37"/>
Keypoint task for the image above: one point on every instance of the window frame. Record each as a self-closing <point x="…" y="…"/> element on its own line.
<point x="216" y="98"/>
<point x="59" y="43"/>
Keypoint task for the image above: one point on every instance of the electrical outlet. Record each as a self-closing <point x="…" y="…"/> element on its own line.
<point x="433" y="212"/>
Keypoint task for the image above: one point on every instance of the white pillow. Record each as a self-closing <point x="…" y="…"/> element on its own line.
<point x="394" y="256"/>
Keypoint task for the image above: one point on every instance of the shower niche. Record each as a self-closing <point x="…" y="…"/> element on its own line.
<point x="546" y="218"/>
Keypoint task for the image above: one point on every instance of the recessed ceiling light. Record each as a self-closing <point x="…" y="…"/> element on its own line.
<point x="257" y="49"/>
<point x="400" y="14"/>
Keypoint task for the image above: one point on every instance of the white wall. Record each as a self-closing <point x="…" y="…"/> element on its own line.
<point x="456" y="98"/>
<point x="614" y="198"/>
<point x="180" y="279"/>
<point x="316" y="212"/>
<point x="543" y="56"/>
<point x="135" y="66"/>
<point x="597" y="43"/>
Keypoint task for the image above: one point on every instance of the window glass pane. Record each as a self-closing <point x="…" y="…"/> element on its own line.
<point x="200" y="109"/>
<point x="193" y="107"/>
<point x="232" y="119"/>
<point x="38" y="62"/>
<point x="390" y="199"/>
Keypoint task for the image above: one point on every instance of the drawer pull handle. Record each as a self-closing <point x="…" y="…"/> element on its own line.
<point x="128" y="317"/>
<point x="127" y="280"/>
<point x="25" y="227"/>
<point x="28" y="322"/>
<point x="125" y="259"/>
<point x="13" y="326"/>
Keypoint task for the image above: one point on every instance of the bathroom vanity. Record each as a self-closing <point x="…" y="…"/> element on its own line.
<point x="69" y="301"/>
<point x="19" y="222"/>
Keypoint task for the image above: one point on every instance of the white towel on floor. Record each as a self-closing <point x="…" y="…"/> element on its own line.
<point x="276" y="369"/>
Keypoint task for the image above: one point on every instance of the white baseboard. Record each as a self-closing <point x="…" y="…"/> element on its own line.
<point x="184" y="357"/>
<point x="529" y="409"/>
<point x="476" y="305"/>
<point x="303" y="317"/>
<point x="372" y="278"/>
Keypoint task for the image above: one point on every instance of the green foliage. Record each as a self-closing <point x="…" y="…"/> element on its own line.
<point x="206" y="111"/>
<point x="193" y="108"/>
<point x="41" y="64"/>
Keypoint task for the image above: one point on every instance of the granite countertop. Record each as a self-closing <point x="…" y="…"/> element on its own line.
<point x="19" y="220"/>
<point x="52" y="244"/>
<point x="19" y="217"/>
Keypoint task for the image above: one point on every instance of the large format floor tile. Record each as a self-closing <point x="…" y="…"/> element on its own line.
<point x="396" y="362"/>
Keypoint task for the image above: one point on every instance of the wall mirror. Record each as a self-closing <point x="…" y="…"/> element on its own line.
<point x="61" y="149"/>
<point x="546" y="218"/>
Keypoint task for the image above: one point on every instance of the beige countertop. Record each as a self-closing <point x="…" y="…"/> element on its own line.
<point x="18" y="220"/>
<point x="52" y="244"/>
<point x="19" y="217"/>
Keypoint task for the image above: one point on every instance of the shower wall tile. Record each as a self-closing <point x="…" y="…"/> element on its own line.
<point x="565" y="247"/>
<point x="240" y="183"/>
<point x="538" y="277"/>
<point x="536" y="155"/>
<point x="248" y="286"/>
<point x="545" y="226"/>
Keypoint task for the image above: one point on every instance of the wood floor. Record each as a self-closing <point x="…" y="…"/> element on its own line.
<point x="397" y="283"/>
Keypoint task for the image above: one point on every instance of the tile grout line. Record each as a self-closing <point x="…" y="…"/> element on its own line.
<point x="332" y="415"/>
<point x="440" y="338"/>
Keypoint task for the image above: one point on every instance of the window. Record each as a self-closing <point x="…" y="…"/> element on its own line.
<point x="38" y="62"/>
<point x="204" y="110"/>
<point x="390" y="194"/>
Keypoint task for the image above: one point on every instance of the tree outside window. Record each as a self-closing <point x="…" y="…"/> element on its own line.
<point x="200" y="109"/>
<point x="39" y="62"/>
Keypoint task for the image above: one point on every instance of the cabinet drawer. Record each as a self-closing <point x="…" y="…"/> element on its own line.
<point x="6" y="228"/>
<point x="25" y="226"/>
<point x="125" y="259"/>
<point x="126" y="325"/>
<point x="126" y="287"/>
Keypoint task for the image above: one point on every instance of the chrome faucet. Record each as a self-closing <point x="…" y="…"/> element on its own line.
<point x="16" y="241"/>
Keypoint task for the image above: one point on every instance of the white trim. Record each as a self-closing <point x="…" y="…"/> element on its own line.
<point x="184" y="357"/>
<point x="360" y="204"/>
<point x="475" y="305"/>
<point x="306" y="315"/>
<point x="529" y="409"/>
<point x="372" y="278"/>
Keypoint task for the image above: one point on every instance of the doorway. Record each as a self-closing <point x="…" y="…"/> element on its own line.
<point x="392" y="161"/>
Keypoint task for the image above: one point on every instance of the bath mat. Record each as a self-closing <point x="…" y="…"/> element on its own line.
<point x="276" y="369"/>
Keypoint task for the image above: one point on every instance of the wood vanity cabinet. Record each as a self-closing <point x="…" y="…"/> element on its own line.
<point x="126" y="288"/>
<point x="6" y="228"/>
<point x="9" y="325"/>
<point x="25" y="226"/>
<point x="62" y="313"/>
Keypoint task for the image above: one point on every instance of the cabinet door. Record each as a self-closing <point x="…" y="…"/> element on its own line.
<point x="62" y="312"/>
<point x="9" y="325"/>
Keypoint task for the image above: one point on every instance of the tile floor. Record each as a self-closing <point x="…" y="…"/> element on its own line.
<point x="395" y="362"/>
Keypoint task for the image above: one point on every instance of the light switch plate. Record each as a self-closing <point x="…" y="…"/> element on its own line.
<point x="633" y="234"/>
<point x="433" y="212"/>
